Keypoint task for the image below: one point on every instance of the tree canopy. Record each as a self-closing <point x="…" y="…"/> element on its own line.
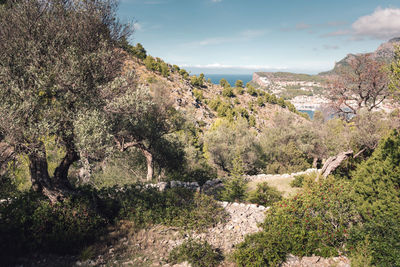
<point x="52" y="72"/>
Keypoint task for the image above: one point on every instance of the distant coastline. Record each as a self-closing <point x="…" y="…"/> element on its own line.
<point x="231" y="78"/>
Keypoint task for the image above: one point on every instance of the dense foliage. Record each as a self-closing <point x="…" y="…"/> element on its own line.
<point x="316" y="221"/>
<point x="264" y="195"/>
<point x="198" y="254"/>
<point x="31" y="223"/>
<point x="377" y="193"/>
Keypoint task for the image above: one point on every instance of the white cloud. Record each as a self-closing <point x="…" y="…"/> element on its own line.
<point x="216" y="1"/>
<point x="382" y="24"/>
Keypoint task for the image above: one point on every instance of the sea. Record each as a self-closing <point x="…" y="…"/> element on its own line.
<point x="231" y="78"/>
<point x="310" y="113"/>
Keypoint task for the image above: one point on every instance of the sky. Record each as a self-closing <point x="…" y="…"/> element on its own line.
<point x="245" y="36"/>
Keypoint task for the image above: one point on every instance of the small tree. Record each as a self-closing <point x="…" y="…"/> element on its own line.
<point x="139" y="51"/>
<point x="224" y="83"/>
<point x="239" y="83"/>
<point x="140" y="120"/>
<point x="364" y="84"/>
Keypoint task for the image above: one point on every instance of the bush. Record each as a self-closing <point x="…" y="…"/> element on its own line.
<point x="198" y="254"/>
<point x="252" y="91"/>
<point x="198" y="94"/>
<point x="175" y="207"/>
<point x="261" y="249"/>
<point x="224" y="83"/>
<point x="184" y="74"/>
<point x="228" y="92"/>
<point x="31" y="223"/>
<point x="234" y="190"/>
<point x="376" y="184"/>
<point x="265" y="195"/>
<point x="303" y="179"/>
<point x="314" y="222"/>
<point x="239" y="90"/>
<point x="376" y="241"/>
<point x="298" y="181"/>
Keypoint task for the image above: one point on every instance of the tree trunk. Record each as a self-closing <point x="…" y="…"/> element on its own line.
<point x="149" y="162"/>
<point x="146" y="153"/>
<point x="6" y="154"/>
<point x="315" y="162"/>
<point x="55" y="189"/>
<point x="334" y="162"/>
<point x="61" y="172"/>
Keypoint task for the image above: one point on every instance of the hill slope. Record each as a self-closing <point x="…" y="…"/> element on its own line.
<point x="204" y="103"/>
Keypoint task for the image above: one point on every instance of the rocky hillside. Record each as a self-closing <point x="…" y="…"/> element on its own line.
<point x="385" y="52"/>
<point x="206" y="102"/>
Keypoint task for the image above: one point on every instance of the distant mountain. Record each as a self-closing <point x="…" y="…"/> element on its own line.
<point x="385" y="52"/>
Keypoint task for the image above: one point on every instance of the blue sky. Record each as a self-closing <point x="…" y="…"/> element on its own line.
<point x="243" y="36"/>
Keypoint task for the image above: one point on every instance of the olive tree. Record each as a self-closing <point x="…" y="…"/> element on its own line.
<point x="226" y="140"/>
<point x="57" y="57"/>
<point x="143" y="119"/>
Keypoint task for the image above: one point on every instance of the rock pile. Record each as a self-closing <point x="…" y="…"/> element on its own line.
<point x="243" y="219"/>
<point x="162" y="186"/>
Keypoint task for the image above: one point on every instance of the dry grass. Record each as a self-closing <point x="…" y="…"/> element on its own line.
<point x="282" y="184"/>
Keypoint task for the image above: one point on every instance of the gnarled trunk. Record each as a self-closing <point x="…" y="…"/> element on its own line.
<point x="145" y="151"/>
<point x="55" y="189"/>
<point x="61" y="172"/>
<point x="149" y="162"/>
<point x="334" y="162"/>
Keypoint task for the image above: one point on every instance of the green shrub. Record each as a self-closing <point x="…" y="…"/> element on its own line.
<point x="298" y="181"/>
<point x="260" y="101"/>
<point x="252" y="91"/>
<point x="265" y="195"/>
<point x="198" y="254"/>
<point x="304" y="179"/>
<point x="314" y="222"/>
<point x="239" y="90"/>
<point x="261" y="249"/>
<point x="224" y="83"/>
<point x="376" y="188"/>
<point x="31" y="223"/>
<point x="234" y="190"/>
<point x="379" y="240"/>
<point x="176" y="207"/>
<point x="228" y="92"/>
<point x="198" y="94"/>
<point x="239" y="84"/>
<point x="252" y="121"/>
<point x="184" y="74"/>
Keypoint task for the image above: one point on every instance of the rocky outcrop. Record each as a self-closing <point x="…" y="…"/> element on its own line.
<point x="385" y="52"/>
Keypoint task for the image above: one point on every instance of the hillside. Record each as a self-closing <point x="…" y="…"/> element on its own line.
<point x="203" y="103"/>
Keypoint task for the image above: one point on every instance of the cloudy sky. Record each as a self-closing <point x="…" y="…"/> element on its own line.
<point x="243" y="36"/>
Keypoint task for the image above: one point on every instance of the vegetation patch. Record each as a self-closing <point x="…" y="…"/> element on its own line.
<point x="197" y="253"/>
